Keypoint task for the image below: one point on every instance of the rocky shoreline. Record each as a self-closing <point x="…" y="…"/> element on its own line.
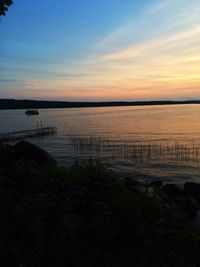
<point x="186" y="198"/>
<point x="85" y="216"/>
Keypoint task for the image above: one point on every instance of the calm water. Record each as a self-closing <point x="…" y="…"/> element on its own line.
<point x="152" y="142"/>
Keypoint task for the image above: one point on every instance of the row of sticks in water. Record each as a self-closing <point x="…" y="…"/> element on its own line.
<point x="137" y="151"/>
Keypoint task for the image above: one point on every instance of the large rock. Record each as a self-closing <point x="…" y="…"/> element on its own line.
<point x="157" y="184"/>
<point x="186" y="204"/>
<point x="6" y="153"/>
<point x="171" y="190"/>
<point x="145" y="190"/>
<point x="193" y="189"/>
<point x="29" y="152"/>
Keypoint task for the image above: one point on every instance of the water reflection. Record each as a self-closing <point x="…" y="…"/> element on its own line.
<point x="152" y="141"/>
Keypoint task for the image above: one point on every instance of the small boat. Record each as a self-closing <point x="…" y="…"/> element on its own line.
<point x="32" y="112"/>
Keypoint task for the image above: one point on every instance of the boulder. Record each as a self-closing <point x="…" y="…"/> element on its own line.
<point x="183" y="201"/>
<point x="30" y="152"/>
<point x="171" y="190"/>
<point x="157" y="184"/>
<point x="146" y="190"/>
<point x="193" y="189"/>
<point x="6" y="153"/>
<point x="186" y="204"/>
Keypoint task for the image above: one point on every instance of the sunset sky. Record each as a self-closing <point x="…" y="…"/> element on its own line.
<point x="96" y="50"/>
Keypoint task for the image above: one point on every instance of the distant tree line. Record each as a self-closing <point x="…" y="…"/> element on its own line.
<point x="4" y="4"/>
<point x="32" y="104"/>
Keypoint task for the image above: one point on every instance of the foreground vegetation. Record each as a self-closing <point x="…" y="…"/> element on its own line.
<point x="83" y="216"/>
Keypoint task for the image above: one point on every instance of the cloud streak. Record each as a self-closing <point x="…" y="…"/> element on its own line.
<point x="153" y="56"/>
<point x="159" y="52"/>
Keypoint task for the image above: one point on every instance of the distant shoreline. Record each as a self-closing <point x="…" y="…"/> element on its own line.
<point x="38" y="104"/>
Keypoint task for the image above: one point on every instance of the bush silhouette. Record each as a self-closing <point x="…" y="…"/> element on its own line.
<point x="4" y="4"/>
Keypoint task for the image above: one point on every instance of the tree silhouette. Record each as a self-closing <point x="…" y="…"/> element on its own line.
<point x="4" y="4"/>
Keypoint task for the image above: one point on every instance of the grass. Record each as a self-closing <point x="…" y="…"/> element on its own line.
<point x="84" y="216"/>
<point x="137" y="152"/>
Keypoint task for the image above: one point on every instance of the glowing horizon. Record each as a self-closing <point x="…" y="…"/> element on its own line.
<point x="144" y="52"/>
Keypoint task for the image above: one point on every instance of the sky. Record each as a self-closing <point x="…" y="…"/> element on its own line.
<point x="101" y="50"/>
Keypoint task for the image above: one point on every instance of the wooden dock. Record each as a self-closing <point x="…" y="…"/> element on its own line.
<point x="27" y="133"/>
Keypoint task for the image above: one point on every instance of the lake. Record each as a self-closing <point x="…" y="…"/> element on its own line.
<point x="148" y="142"/>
